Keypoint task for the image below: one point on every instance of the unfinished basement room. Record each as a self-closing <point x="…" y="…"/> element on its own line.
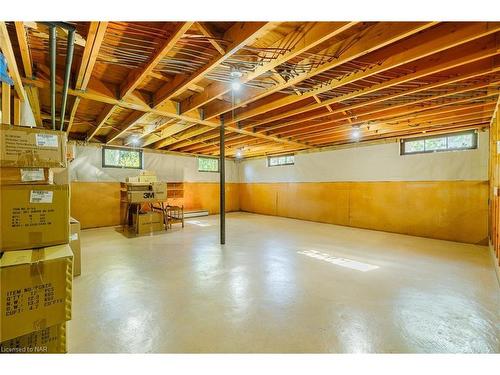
<point x="249" y="187"/>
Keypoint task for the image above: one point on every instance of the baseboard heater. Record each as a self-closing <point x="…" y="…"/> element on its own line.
<point x="195" y="213"/>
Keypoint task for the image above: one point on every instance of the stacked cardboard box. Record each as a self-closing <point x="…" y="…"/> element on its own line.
<point x="148" y="222"/>
<point x="74" y="243"/>
<point x="36" y="261"/>
<point x="146" y="192"/>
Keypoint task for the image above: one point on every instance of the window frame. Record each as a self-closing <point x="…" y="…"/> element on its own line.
<point x="208" y="157"/>
<point x="103" y="157"/>
<point x="402" y="151"/>
<point x="279" y="156"/>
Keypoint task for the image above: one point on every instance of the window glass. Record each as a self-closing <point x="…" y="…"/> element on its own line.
<point x="121" y="158"/>
<point x="447" y="142"/>
<point x="208" y="164"/>
<point x="434" y="144"/>
<point x="274" y="161"/>
<point x="461" y="141"/>
<point x="414" y="146"/>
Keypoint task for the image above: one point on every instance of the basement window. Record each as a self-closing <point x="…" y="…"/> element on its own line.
<point x="208" y="164"/>
<point x="446" y="142"/>
<point x="275" y="161"/>
<point x="113" y="157"/>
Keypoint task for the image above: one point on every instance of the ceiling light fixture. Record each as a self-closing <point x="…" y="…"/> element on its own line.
<point x="235" y="85"/>
<point x="356" y="132"/>
<point x="134" y="140"/>
<point x="235" y="79"/>
<point x="239" y="154"/>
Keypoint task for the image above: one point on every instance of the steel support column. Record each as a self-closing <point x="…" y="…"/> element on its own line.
<point x="222" y="183"/>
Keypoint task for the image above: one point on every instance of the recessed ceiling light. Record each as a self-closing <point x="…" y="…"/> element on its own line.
<point x="235" y="85"/>
<point x="356" y="132"/>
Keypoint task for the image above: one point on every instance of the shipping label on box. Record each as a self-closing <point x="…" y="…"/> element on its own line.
<point x="32" y="147"/>
<point x="33" y="216"/>
<point x="13" y="176"/>
<point x="36" y="290"/>
<point x="48" y="340"/>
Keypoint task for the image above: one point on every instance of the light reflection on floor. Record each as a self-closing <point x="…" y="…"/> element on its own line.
<point x="198" y="223"/>
<point x="271" y="289"/>
<point x="343" y="262"/>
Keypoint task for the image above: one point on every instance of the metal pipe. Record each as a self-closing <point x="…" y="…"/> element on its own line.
<point x="52" y="52"/>
<point x="63" y="25"/>
<point x="67" y="73"/>
<point x="222" y="183"/>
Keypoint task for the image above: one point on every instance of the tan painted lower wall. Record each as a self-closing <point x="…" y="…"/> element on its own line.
<point x="448" y="210"/>
<point x="97" y="204"/>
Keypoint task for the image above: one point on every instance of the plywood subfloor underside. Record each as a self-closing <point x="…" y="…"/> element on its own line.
<point x="181" y="292"/>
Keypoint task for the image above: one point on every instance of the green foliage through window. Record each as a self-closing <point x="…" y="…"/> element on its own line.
<point x="274" y="161"/>
<point x="447" y="142"/>
<point x="121" y="158"/>
<point x="208" y="164"/>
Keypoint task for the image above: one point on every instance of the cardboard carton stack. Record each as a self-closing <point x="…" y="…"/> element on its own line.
<point x="138" y="192"/>
<point x="36" y="261"/>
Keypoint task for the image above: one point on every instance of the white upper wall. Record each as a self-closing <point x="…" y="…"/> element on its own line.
<point x="380" y="162"/>
<point x="87" y="166"/>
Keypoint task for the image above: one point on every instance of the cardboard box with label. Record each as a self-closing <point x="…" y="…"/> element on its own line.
<point x="15" y="176"/>
<point x="22" y="146"/>
<point x="148" y="222"/>
<point x="48" y="340"/>
<point x="132" y="179"/>
<point x="36" y="290"/>
<point x="147" y="178"/>
<point x="74" y="243"/>
<point x="146" y="196"/>
<point x="33" y="216"/>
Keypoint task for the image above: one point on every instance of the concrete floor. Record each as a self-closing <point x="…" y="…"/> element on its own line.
<point x="282" y="285"/>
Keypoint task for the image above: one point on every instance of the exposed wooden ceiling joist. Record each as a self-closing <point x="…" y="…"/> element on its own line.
<point x="240" y="34"/>
<point x="95" y="36"/>
<point x="6" y="47"/>
<point x="312" y="36"/>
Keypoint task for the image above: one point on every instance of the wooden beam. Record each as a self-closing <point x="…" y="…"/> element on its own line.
<point x="368" y="108"/>
<point x="312" y="36"/>
<point x="174" y="138"/>
<point x="95" y="37"/>
<point x="6" y="96"/>
<point x="17" y="111"/>
<point x="6" y="47"/>
<point x="438" y="64"/>
<point x="97" y="30"/>
<point x="436" y="40"/>
<point x="407" y="116"/>
<point x="99" y="92"/>
<point x="402" y="113"/>
<point x="31" y="92"/>
<point x="240" y="34"/>
<point x="434" y="119"/>
<point x="165" y="133"/>
<point x="101" y="119"/>
<point x="128" y="123"/>
<point x="369" y="40"/>
<point x="212" y="38"/>
<point x="136" y="76"/>
<point x="399" y="130"/>
<point x="24" y="48"/>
